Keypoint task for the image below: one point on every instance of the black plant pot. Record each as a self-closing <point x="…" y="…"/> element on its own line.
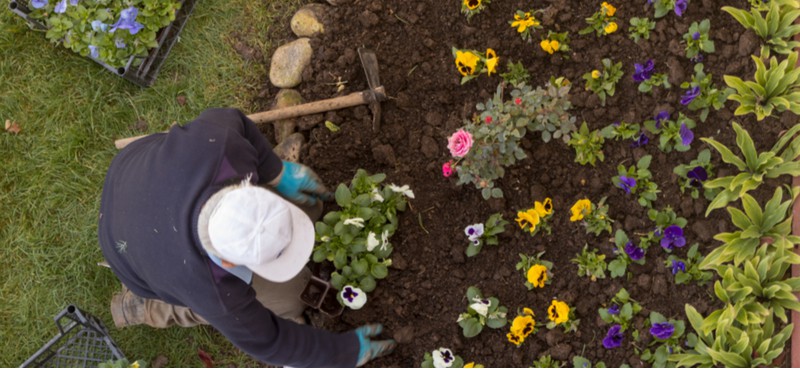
<point x="320" y="294"/>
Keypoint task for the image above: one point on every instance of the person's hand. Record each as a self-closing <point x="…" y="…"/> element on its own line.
<point x="301" y="185"/>
<point x="372" y="349"/>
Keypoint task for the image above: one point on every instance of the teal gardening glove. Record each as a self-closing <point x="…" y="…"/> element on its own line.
<point x="371" y="349"/>
<point x="301" y="185"/>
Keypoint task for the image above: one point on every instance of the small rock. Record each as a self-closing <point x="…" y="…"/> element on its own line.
<point x="676" y="73"/>
<point x="384" y="154"/>
<point x="748" y="43"/>
<point x="404" y="335"/>
<point x="310" y="121"/>
<point x="561" y="352"/>
<point x="368" y="19"/>
<point x="538" y="192"/>
<point x="643" y="281"/>
<point x="429" y="147"/>
<point x="288" y="63"/>
<point x="458" y="256"/>
<point x="284" y="99"/>
<point x="659" y="286"/>
<point x="554" y="337"/>
<point x="399" y="262"/>
<point x="704" y="230"/>
<point x="433" y="118"/>
<point x="307" y="21"/>
<point x="633" y="222"/>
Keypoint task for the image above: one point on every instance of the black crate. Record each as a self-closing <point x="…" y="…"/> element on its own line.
<point x="141" y="70"/>
<point x="83" y="342"/>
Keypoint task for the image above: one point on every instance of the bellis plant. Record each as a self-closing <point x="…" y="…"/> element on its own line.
<point x="590" y="264"/>
<point x="588" y="145"/>
<point x="637" y="179"/>
<point x="481" y="312"/>
<point x="687" y="270"/>
<point x="480" y="235"/>
<point x="525" y="23"/>
<point x="109" y="31"/>
<point x="536" y="218"/>
<point x="697" y="39"/>
<point x="442" y="358"/>
<point x="471" y="63"/>
<point x="662" y="7"/>
<point x="673" y="134"/>
<point x="640" y="28"/>
<point x="602" y="22"/>
<point x="555" y="41"/>
<point x="777" y="29"/>
<point x="702" y="94"/>
<point x="620" y="310"/>
<point x="603" y="83"/>
<point x="356" y="237"/>
<point x="692" y="176"/>
<point x="561" y="314"/>
<point x="473" y="7"/>
<point x="537" y="272"/>
<point x="627" y="253"/>
<point x="521" y="327"/>
<point x="594" y="217"/>
<point x="666" y="340"/>
<point x="644" y="74"/>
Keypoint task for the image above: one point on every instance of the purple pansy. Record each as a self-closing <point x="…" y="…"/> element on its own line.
<point x="660" y="117"/>
<point x="613" y="309"/>
<point x="640" y="140"/>
<point x="677" y="266"/>
<point x="38" y="4"/>
<point x="641" y="72"/>
<point x="686" y="135"/>
<point x="680" y="7"/>
<point x="119" y="43"/>
<point x="614" y="337"/>
<point x="99" y="26"/>
<point x="673" y="237"/>
<point x="627" y="183"/>
<point x="127" y="20"/>
<point x="474" y="232"/>
<point x="636" y="253"/>
<point x="697" y="58"/>
<point x="697" y="176"/>
<point x="690" y="95"/>
<point x="94" y="52"/>
<point x="696" y="36"/>
<point x="662" y="331"/>
<point x="61" y="7"/>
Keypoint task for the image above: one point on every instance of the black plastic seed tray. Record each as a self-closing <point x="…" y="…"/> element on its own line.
<point x="82" y="342"/>
<point x="140" y="70"/>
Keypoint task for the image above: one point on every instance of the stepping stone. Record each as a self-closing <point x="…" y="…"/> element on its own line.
<point x="307" y="22"/>
<point x="285" y="127"/>
<point x="288" y="62"/>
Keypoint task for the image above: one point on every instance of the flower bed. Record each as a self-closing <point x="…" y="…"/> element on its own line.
<point x="647" y="174"/>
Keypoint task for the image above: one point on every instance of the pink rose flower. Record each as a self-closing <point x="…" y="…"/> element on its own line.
<point x="459" y="143"/>
<point x="447" y="169"/>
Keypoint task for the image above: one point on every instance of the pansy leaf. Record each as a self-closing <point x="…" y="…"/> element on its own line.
<point x="379" y="271"/>
<point x="367" y="284"/>
<point x="471" y="327"/>
<point x="343" y="196"/>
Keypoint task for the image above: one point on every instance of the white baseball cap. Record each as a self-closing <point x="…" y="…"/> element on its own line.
<point x="251" y="226"/>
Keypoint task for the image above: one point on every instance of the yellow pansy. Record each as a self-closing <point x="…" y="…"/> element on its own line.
<point x="522" y="23"/>
<point x="608" y="8"/>
<point x="515" y="339"/>
<point x="135" y="364"/>
<point x="529" y="218"/>
<point x="545" y="208"/>
<point x="610" y="28"/>
<point x="582" y="208"/>
<point x="537" y="275"/>
<point x="466" y="62"/>
<point x="470" y="364"/>
<point x="558" y="312"/>
<point x="595" y="74"/>
<point x="472" y="4"/>
<point x="550" y="46"/>
<point x="491" y="61"/>
<point x="527" y="311"/>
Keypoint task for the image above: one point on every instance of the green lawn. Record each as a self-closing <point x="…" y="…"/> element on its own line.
<point x="71" y="110"/>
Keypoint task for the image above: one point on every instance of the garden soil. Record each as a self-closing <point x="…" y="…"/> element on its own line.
<point x="423" y="295"/>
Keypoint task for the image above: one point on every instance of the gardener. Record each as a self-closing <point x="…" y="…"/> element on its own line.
<point x="194" y="238"/>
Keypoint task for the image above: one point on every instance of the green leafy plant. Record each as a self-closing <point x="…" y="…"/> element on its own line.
<point x="619" y="265"/>
<point x="776" y="88"/>
<point x="691" y="268"/>
<point x="754" y="167"/>
<point x="620" y="310"/>
<point x="602" y="22"/>
<point x="545" y="361"/>
<point x="673" y="134"/>
<point x="709" y="95"/>
<point x="604" y="83"/>
<point x="516" y="74"/>
<point x="550" y="114"/>
<point x="692" y="176"/>
<point x="620" y="130"/>
<point x="101" y="30"/>
<point x="485" y="233"/>
<point x="697" y="39"/>
<point x="640" y="28"/>
<point x="535" y="270"/>
<point x="590" y="264"/>
<point x="656" y="80"/>
<point x="662" y="7"/>
<point x="664" y="346"/>
<point x="588" y="145"/>
<point x="777" y="29"/>
<point x="481" y="312"/>
<point x="356" y="237"/>
<point x="637" y="179"/>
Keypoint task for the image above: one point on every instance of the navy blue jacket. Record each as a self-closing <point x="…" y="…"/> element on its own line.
<point x="151" y="201"/>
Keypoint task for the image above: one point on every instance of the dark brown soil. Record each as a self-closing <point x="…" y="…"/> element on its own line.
<point x="424" y="293"/>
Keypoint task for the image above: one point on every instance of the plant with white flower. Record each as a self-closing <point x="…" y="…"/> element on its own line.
<point x="481" y="312"/>
<point x="442" y="358"/>
<point x="353" y="297"/>
<point x="480" y="234"/>
<point x="355" y="238"/>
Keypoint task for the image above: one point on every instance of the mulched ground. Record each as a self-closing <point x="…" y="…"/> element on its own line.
<point x="424" y="293"/>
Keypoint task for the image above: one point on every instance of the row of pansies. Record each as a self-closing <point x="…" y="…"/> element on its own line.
<point x="751" y="262"/>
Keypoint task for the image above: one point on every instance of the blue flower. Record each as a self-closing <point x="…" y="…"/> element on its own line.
<point x="696" y="36"/>
<point x="686" y="135"/>
<point x="38" y="4"/>
<point x="680" y="7"/>
<point x="662" y="331"/>
<point x="660" y="117"/>
<point x="690" y="95"/>
<point x="61" y="7"/>
<point x="678" y="265"/>
<point x="641" y="72"/>
<point x="93" y="51"/>
<point x="627" y="183"/>
<point x="99" y="26"/>
<point x="697" y="176"/>
<point x="640" y="140"/>
<point x="73" y="2"/>
<point x="636" y="253"/>
<point x="127" y="20"/>
<point x="613" y="309"/>
<point x="697" y="58"/>
<point x="119" y="43"/>
<point x="614" y="337"/>
<point x="673" y="237"/>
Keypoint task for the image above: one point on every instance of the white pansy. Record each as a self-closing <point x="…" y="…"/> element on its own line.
<point x="405" y="190"/>
<point x="481" y="306"/>
<point x="442" y="358"/>
<point x="358" y="222"/>
<point x="353" y="297"/>
<point x="376" y="195"/>
<point x="372" y="241"/>
<point x="384" y="240"/>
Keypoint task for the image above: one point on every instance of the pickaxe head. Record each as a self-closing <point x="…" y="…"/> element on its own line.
<point x="376" y="93"/>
